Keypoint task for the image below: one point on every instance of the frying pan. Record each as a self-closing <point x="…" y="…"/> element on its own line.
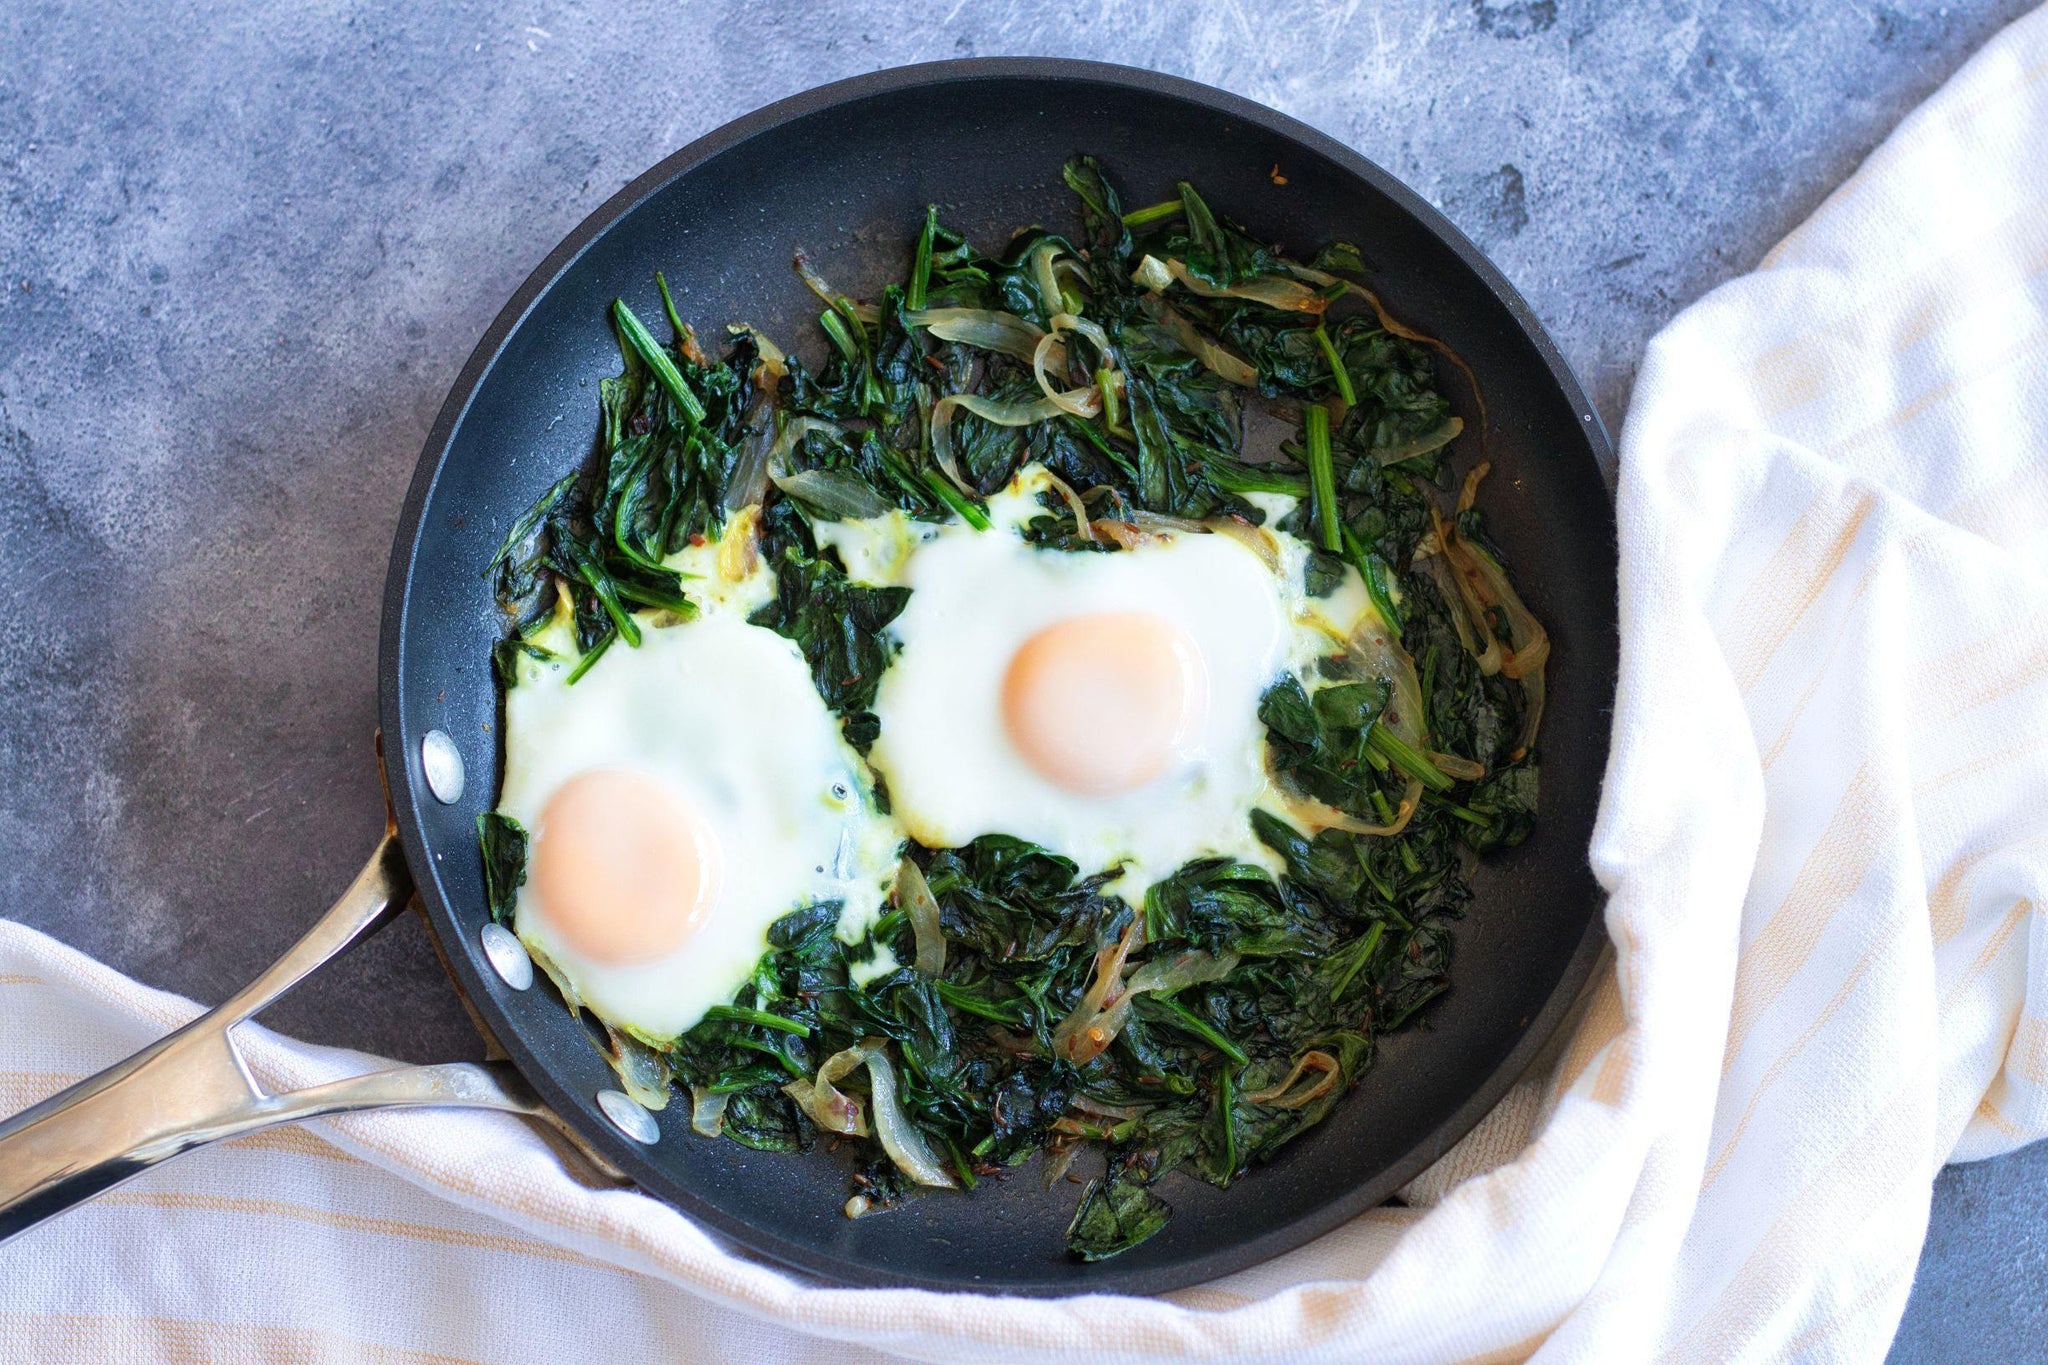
<point x="846" y="171"/>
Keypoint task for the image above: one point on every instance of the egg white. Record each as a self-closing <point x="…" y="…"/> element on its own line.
<point x="952" y="772"/>
<point x="724" y="712"/>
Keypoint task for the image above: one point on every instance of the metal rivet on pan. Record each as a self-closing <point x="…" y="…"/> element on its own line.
<point x="628" y="1117"/>
<point x="441" y="761"/>
<point x="508" y="956"/>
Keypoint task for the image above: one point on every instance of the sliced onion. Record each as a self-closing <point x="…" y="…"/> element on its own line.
<point x="939" y="426"/>
<point x="1275" y="291"/>
<point x="1165" y="975"/>
<point x="738" y="554"/>
<point x="988" y="410"/>
<point x="1077" y="1038"/>
<point x="900" y="1139"/>
<point x="1465" y="598"/>
<point x="1389" y="323"/>
<point x="1153" y="274"/>
<point x="1434" y="439"/>
<point x="832" y="493"/>
<point x="1170" y="974"/>
<point x="1119" y="1112"/>
<point x="1074" y="322"/>
<point x="1531" y="642"/>
<point x="1160" y="524"/>
<point x="1220" y="361"/>
<point x="707" y="1111"/>
<point x="1375" y="652"/>
<point x="1482" y="584"/>
<point x="793" y="431"/>
<point x="1042" y="275"/>
<point x="1313" y="817"/>
<point x="836" y="1112"/>
<point x="1059" y="1158"/>
<point x="983" y="328"/>
<point x="1257" y="539"/>
<point x="1532" y="711"/>
<point x="1279" y="1096"/>
<point x="748" y="483"/>
<point x="1106" y="1006"/>
<point x="1074" y="505"/>
<point x="1322" y="279"/>
<point x="1463" y="572"/>
<point x="770" y="363"/>
<point x="1468" y="493"/>
<point x="1080" y="402"/>
<point x="1122" y="534"/>
<point x="1144" y="528"/>
<point x="914" y="898"/>
<point x="642" y="1073"/>
<point x="1454" y="601"/>
<point x="1464" y="769"/>
<point x="827" y="1106"/>
<point x="813" y="281"/>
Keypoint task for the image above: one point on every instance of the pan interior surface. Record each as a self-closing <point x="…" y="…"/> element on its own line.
<point x="846" y="173"/>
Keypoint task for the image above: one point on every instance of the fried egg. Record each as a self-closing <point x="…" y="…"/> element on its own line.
<point x="680" y="797"/>
<point x="1104" y="705"/>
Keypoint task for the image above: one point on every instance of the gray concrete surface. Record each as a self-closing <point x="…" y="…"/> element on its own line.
<point x="244" y="247"/>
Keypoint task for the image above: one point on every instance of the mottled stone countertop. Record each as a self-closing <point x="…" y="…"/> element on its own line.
<point x="246" y="246"/>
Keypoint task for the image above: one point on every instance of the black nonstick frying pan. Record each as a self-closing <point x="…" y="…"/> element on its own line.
<point x="846" y="171"/>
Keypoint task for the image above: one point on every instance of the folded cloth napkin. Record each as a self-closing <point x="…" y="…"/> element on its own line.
<point x="1824" y="835"/>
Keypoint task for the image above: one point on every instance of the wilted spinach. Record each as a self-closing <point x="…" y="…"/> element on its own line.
<point x="1230" y="1011"/>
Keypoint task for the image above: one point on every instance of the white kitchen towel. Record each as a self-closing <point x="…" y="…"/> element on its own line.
<point x="1824" y="834"/>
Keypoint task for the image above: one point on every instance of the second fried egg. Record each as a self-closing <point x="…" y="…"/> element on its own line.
<point x="1105" y="706"/>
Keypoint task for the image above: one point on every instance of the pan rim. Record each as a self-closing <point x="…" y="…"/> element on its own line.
<point x="409" y="798"/>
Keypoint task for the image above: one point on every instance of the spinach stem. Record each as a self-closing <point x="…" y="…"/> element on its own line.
<point x="921" y="270"/>
<point x="1359" y="957"/>
<point x="1086" y="430"/>
<point x="1201" y="1028"/>
<point x="960" y="1166"/>
<point x="656" y="359"/>
<point x="591" y="656"/>
<point x="1408" y="759"/>
<point x="1106" y="386"/>
<point x="739" y="1014"/>
<point x="1226" y="1111"/>
<point x="1337" y="370"/>
<point x="1233" y="475"/>
<point x="1465" y="813"/>
<point x="835" y="328"/>
<point x="1152" y="213"/>
<point x="960" y="998"/>
<point x="668" y="303"/>
<point x="1322" y="474"/>
<point x="952" y="497"/>
<point x="1375" y="572"/>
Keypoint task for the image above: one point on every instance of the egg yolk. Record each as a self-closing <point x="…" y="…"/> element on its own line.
<point x="1097" y="703"/>
<point x="624" y="870"/>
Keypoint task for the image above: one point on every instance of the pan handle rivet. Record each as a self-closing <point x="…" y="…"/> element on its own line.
<point x="441" y="762"/>
<point x="628" y="1117"/>
<point x="507" y="956"/>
